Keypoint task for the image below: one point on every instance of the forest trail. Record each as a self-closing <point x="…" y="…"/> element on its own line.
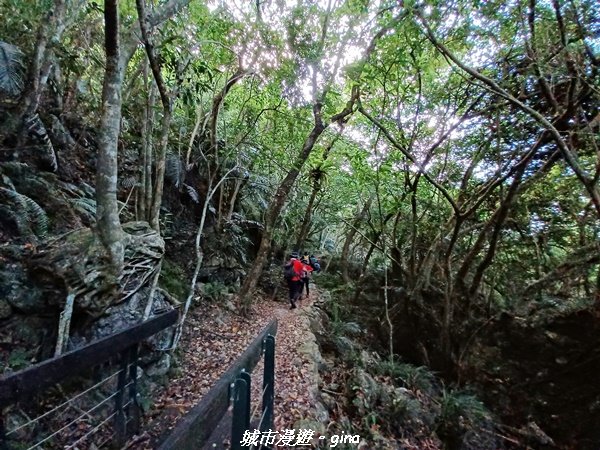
<point x="214" y="337"/>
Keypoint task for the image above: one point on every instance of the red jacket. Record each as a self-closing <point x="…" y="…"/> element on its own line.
<point x="298" y="267"/>
<point x="306" y="268"/>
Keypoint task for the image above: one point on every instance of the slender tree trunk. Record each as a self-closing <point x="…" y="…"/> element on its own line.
<point x="276" y="206"/>
<point x="307" y="216"/>
<point x="149" y="159"/>
<point x="317" y="184"/>
<point x="51" y="28"/>
<point x="214" y="142"/>
<point x="236" y="190"/>
<point x="412" y="261"/>
<point x="372" y="248"/>
<point x="141" y="194"/>
<point x="199" y="257"/>
<point x="387" y="310"/>
<point x="107" y="211"/>
<point x="188" y="153"/>
<point x="166" y="119"/>
<point x="64" y="325"/>
<point x="350" y="237"/>
<point x="159" y="177"/>
<point x="220" y="208"/>
<point x="283" y="190"/>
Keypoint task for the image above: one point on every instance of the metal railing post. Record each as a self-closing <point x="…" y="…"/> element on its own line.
<point x="122" y="346"/>
<point x="241" y="412"/>
<point x="133" y="410"/>
<point x="120" y="418"/>
<point x="268" y="384"/>
<point x="246" y="377"/>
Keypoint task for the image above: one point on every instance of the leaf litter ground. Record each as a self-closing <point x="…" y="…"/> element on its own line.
<point x="213" y="339"/>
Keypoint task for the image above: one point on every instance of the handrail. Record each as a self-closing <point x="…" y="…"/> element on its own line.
<point x="195" y="428"/>
<point x="26" y="382"/>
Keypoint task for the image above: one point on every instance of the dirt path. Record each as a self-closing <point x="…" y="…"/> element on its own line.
<point x="214" y="337"/>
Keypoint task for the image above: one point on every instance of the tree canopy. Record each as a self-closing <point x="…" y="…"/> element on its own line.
<point x="453" y="145"/>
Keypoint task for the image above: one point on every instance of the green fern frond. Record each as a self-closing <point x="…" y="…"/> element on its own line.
<point x="37" y="216"/>
<point x="16" y="169"/>
<point x="86" y="207"/>
<point x="413" y="377"/>
<point x="11" y="69"/>
<point x="27" y="213"/>
<point x="128" y="182"/>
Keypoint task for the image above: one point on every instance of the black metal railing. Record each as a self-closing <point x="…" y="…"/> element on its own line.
<point x="241" y="389"/>
<point x="199" y="426"/>
<point x="21" y="386"/>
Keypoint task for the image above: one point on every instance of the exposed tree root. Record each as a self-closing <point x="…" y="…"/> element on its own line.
<point x="78" y="262"/>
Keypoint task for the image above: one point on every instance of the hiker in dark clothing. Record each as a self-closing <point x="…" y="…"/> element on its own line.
<point x="305" y="278"/>
<point x="292" y="272"/>
<point x="314" y="263"/>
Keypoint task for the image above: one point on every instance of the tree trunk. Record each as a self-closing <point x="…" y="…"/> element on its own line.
<point x="284" y="188"/>
<point x="350" y="237"/>
<point x="149" y="152"/>
<point x="372" y="248"/>
<point x="159" y="177"/>
<point x="140" y="210"/>
<point x="51" y="29"/>
<point x="214" y="142"/>
<point x="317" y="184"/>
<point x="236" y="190"/>
<point x="107" y="212"/>
<point x="199" y="256"/>
<point x="166" y="119"/>
<point x="276" y="206"/>
<point x="307" y="216"/>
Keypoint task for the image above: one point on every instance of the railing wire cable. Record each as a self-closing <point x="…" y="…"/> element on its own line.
<point x="93" y="430"/>
<point x="76" y="420"/>
<point x="56" y="408"/>
<point x="253" y="413"/>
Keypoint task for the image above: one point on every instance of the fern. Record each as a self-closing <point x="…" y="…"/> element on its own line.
<point x="37" y="216"/>
<point x="16" y="169"/>
<point x="128" y="182"/>
<point x="86" y="207"/>
<point x="7" y="181"/>
<point x="416" y="378"/>
<point x="36" y="127"/>
<point x="27" y="213"/>
<point x="88" y="190"/>
<point x="11" y="68"/>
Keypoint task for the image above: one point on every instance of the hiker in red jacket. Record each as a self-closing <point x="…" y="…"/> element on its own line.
<point x="292" y="273"/>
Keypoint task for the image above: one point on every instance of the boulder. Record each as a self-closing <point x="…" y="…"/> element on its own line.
<point x="17" y="291"/>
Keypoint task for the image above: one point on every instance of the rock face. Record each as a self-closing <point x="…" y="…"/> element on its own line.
<point x="33" y="294"/>
<point x="18" y="293"/>
<point x="309" y="348"/>
<point x="77" y="262"/>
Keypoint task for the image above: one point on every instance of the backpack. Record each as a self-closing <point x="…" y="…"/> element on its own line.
<point x="288" y="271"/>
<point x="314" y="264"/>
